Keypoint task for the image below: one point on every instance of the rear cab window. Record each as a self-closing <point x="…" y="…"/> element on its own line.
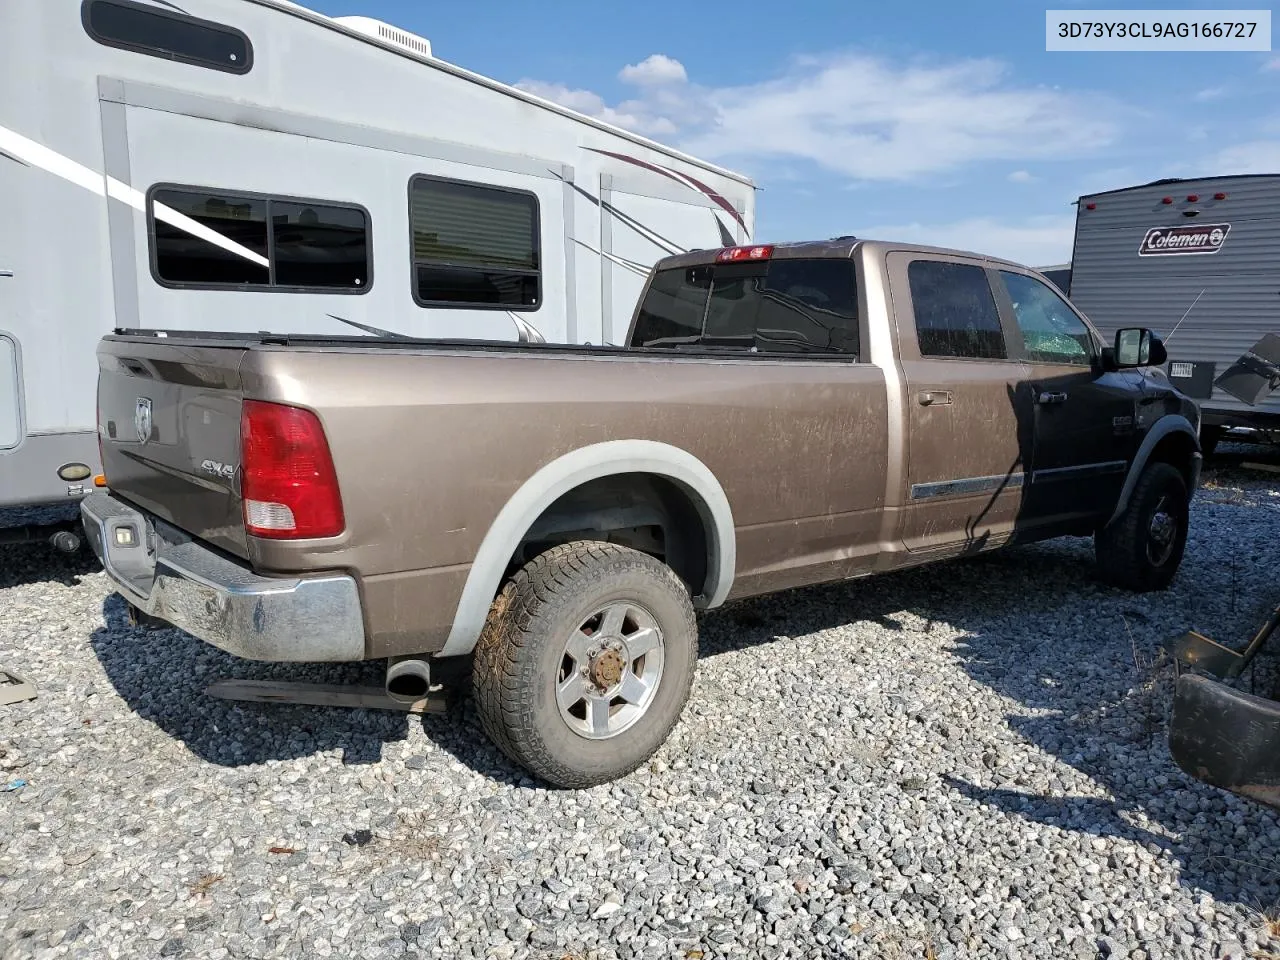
<point x="801" y="306"/>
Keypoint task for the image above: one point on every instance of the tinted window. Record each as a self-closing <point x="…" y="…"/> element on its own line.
<point x="204" y="238"/>
<point x="782" y="306"/>
<point x="167" y="34"/>
<point x="474" y="245"/>
<point x="319" y="246"/>
<point x="207" y="238"/>
<point x="673" y="308"/>
<point x="955" y="313"/>
<point x="1051" y="330"/>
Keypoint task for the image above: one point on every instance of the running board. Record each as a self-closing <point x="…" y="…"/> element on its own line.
<point x="325" y="695"/>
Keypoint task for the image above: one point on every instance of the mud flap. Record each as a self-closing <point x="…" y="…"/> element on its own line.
<point x="1227" y="738"/>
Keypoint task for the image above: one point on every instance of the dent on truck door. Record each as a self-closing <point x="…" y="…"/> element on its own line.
<point x="968" y="431"/>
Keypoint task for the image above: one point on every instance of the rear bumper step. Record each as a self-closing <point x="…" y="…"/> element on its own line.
<point x="166" y="574"/>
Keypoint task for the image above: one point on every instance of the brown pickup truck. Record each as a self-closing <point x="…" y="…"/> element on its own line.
<point x="780" y="415"/>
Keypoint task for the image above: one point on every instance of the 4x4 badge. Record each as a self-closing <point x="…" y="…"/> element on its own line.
<point x="142" y="419"/>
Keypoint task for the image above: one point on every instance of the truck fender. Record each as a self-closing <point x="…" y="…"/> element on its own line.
<point x="1170" y="423"/>
<point x="564" y="474"/>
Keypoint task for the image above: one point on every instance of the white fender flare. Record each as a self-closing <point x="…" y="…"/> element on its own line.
<point x="564" y="474"/>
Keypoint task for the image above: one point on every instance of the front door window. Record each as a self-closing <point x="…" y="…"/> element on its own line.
<point x="1051" y="331"/>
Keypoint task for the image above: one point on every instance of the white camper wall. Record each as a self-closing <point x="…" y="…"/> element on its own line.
<point x="171" y="148"/>
<point x="323" y="114"/>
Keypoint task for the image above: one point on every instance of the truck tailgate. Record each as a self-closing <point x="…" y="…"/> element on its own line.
<point x="169" y="424"/>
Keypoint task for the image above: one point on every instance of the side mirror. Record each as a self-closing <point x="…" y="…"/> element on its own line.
<point x="1138" y="347"/>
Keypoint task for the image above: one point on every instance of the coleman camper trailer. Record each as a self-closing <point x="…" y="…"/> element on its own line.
<point x="1199" y="262"/>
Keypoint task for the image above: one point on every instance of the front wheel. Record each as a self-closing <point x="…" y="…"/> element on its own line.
<point x="1142" y="549"/>
<point x="586" y="662"/>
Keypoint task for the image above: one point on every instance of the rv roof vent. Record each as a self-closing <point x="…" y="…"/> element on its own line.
<point x="385" y="31"/>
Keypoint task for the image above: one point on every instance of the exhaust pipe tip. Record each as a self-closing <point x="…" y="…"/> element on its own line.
<point x="408" y="679"/>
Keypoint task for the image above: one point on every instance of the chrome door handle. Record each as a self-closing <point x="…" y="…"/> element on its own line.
<point x="935" y="398"/>
<point x="1052" y="398"/>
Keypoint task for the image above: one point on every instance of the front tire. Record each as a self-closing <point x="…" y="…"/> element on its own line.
<point x="1142" y="549"/>
<point x="585" y="662"/>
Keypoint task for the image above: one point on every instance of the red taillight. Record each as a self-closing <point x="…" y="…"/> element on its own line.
<point x="1091" y="206"/>
<point x="1167" y="200"/>
<point x="288" y="483"/>
<point x="1193" y="198"/>
<point x="736" y="254"/>
<point x="1219" y="196"/>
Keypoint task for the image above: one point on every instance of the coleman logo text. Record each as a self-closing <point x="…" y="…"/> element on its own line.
<point x="1193" y="238"/>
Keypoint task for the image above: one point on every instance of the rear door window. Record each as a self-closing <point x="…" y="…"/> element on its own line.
<point x="801" y="306"/>
<point x="955" y="311"/>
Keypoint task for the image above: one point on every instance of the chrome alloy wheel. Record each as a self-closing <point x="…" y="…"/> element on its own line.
<point x="610" y="670"/>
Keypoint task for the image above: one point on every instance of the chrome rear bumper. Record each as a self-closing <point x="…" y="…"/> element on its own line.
<point x="168" y="575"/>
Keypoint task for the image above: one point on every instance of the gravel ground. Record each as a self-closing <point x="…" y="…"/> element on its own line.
<point x="961" y="761"/>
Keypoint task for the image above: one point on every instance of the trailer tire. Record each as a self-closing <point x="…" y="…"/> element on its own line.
<point x="609" y="625"/>
<point x="1210" y="436"/>
<point x="1142" y="549"/>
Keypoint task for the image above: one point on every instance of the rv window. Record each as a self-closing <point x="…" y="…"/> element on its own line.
<point x="205" y="238"/>
<point x="168" y="34"/>
<point x="955" y="312"/>
<point x="474" y="245"/>
<point x="319" y="246"/>
<point x="801" y="306"/>
<point x="1050" y="329"/>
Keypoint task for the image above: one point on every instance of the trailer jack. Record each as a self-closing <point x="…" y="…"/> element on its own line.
<point x="1221" y="735"/>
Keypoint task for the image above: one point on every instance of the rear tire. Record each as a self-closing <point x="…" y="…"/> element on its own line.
<point x="1142" y="549"/>
<point x="585" y="662"/>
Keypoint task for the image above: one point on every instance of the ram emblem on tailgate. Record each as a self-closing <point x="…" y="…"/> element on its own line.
<point x="142" y="419"/>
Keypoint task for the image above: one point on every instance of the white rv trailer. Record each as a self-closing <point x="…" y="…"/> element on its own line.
<point x="250" y="165"/>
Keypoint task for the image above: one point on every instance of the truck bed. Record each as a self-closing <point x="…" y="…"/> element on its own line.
<point x="431" y="438"/>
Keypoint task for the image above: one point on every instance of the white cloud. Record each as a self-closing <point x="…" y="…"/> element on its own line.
<point x="1210" y="93"/>
<point x="1272" y="64"/>
<point x="1258" y="156"/>
<point x="631" y="115"/>
<point x="857" y="115"/>
<point x="654" y="69"/>
<point x="1035" y="241"/>
<point x="1021" y="176"/>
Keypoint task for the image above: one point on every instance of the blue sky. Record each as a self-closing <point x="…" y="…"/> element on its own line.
<point x="932" y="121"/>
